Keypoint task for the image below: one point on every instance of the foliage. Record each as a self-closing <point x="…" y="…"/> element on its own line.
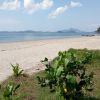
<point x="98" y="30"/>
<point x="66" y="74"/>
<point x="10" y="90"/>
<point x="16" y="70"/>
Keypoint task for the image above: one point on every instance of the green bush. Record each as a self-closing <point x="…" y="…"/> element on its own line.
<point x="66" y="74"/>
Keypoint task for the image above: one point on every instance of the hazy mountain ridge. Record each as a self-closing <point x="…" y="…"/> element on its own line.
<point x="65" y="32"/>
<point x="32" y="31"/>
<point x="70" y="30"/>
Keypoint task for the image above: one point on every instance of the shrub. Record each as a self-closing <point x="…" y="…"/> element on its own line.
<point x="66" y="74"/>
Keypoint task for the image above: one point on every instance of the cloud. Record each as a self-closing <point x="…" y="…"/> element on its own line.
<point x="58" y="11"/>
<point x="61" y="10"/>
<point x="32" y="6"/>
<point x="11" y="5"/>
<point x="75" y="4"/>
<point x="46" y="4"/>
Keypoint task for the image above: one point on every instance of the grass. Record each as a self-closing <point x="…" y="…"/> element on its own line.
<point x="31" y="90"/>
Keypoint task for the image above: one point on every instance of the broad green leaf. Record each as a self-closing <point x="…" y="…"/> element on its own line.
<point x="55" y="64"/>
<point x="59" y="70"/>
<point x="66" y="62"/>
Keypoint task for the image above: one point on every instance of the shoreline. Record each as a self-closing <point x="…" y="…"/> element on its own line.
<point x="29" y="53"/>
<point x="42" y="39"/>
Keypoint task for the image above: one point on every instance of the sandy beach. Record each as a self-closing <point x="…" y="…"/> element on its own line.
<point x="28" y="54"/>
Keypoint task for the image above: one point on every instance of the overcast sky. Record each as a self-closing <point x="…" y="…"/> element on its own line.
<point x="49" y="15"/>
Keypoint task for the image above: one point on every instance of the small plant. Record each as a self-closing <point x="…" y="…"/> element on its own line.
<point x="66" y="74"/>
<point x="16" y="70"/>
<point x="10" y="90"/>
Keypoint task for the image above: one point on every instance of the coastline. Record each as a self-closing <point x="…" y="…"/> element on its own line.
<point x="29" y="53"/>
<point x="40" y="39"/>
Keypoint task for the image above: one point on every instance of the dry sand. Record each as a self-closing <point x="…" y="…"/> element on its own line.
<point x="28" y="54"/>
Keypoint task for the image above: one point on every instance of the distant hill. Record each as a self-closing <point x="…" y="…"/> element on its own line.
<point x="27" y="31"/>
<point x="66" y="32"/>
<point x="71" y="30"/>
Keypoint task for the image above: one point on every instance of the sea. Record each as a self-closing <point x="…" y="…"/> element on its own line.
<point x="34" y="36"/>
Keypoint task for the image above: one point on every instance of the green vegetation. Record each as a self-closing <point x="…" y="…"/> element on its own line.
<point x="98" y="30"/>
<point x="30" y="89"/>
<point x="66" y="74"/>
<point x="16" y="70"/>
<point x="9" y="91"/>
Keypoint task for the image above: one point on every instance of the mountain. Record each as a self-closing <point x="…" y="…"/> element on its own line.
<point x="71" y="30"/>
<point x="26" y="31"/>
<point x="66" y="32"/>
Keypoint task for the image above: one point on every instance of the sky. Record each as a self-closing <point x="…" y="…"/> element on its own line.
<point x="49" y="15"/>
